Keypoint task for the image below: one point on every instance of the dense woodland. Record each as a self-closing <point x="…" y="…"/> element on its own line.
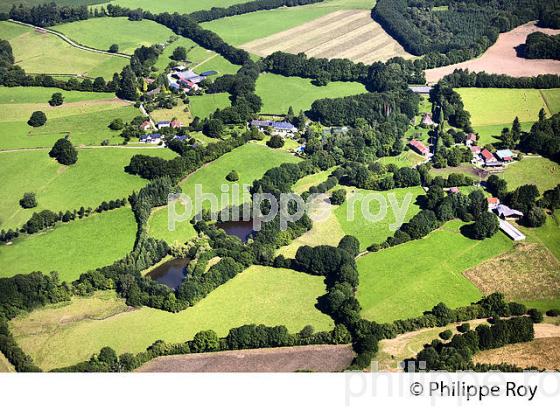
<point x="461" y="32"/>
<point x="540" y="45"/>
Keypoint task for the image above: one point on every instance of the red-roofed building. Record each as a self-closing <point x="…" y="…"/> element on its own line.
<point x="176" y="124"/>
<point x="489" y="159"/>
<point x="146" y="125"/>
<point x="471" y="139"/>
<point x="475" y="149"/>
<point x="493" y="202"/>
<point x="454" y="190"/>
<point x="427" y="120"/>
<point x="419" y="147"/>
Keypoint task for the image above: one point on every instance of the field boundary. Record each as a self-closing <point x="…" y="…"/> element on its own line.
<point x="69" y="41"/>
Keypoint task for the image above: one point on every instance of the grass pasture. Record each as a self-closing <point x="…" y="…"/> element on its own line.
<point x="44" y="53"/>
<point x="84" y="117"/>
<point x="101" y="33"/>
<point x="180" y="6"/>
<point x="260" y="295"/>
<point x="404" y="281"/>
<point x="203" y="105"/>
<point x="352" y="218"/>
<point x="72" y="248"/>
<point x="278" y="93"/>
<point x="97" y="176"/>
<point x="250" y="161"/>
<point x="5" y="365"/>
<point x="348" y="34"/>
<point x="542" y="172"/>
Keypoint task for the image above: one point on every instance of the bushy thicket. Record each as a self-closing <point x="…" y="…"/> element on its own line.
<point x="457" y="354"/>
<point x="540" y="45"/>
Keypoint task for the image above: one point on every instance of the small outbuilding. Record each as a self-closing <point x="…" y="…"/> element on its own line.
<point x="505" y="155"/>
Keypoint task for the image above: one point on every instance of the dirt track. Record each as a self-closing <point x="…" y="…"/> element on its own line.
<point x="348" y="34"/>
<point x="318" y="358"/>
<point x="501" y="58"/>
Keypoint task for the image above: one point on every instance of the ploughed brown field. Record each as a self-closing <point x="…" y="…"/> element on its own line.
<point x="502" y="58"/>
<point x="539" y="353"/>
<point x="350" y="34"/>
<point x="317" y="358"/>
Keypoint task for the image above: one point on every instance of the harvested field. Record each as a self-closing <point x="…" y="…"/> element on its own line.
<point x="540" y="353"/>
<point x="528" y="272"/>
<point x="348" y="34"/>
<point x="320" y="358"/>
<point x="502" y="58"/>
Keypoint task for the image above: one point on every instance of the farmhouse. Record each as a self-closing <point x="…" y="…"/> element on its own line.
<point x="471" y="139"/>
<point x="163" y="124"/>
<point x="493" y="202"/>
<point x="475" y="149"/>
<point x="427" y="120"/>
<point x="419" y="147"/>
<point x="151" y="139"/>
<point x="175" y="124"/>
<point x="146" y="125"/>
<point x="505" y="155"/>
<point x="489" y="159"/>
<point x="283" y="127"/>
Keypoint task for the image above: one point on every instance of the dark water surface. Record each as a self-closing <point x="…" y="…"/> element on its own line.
<point x="241" y="229"/>
<point x="170" y="273"/>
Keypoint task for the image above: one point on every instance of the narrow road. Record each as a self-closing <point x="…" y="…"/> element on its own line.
<point x="69" y="41"/>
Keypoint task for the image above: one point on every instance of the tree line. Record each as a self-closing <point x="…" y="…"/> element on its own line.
<point x="465" y="78"/>
<point x="48" y="14"/>
<point x="457" y="354"/>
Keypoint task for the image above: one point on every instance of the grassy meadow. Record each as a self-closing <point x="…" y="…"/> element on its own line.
<point x="72" y="248"/>
<point x="84" y="117"/>
<point x="203" y="105"/>
<point x="44" y="53"/>
<point x="542" y="172"/>
<point x="353" y="221"/>
<point x="250" y="161"/>
<point x="404" y="281"/>
<point x="5" y="365"/>
<point x="102" y="32"/>
<point x="180" y="6"/>
<point x="492" y="109"/>
<point x="259" y="295"/>
<point x="241" y="29"/>
<point x="278" y="93"/>
<point x="97" y="176"/>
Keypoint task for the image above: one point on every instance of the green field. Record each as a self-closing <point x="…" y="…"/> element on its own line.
<point x="488" y="134"/>
<point x="548" y="234"/>
<point x="97" y="176"/>
<point x="43" y="53"/>
<point x="200" y="59"/>
<point x="72" y="248"/>
<point x="354" y="222"/>
<point x="102" y="32"/>
<point x="251" y="26"/>
<point x="84" y="116"/>
<point x="260" y="295"/>
<point x="278" y="93"/>
<point x="308" y="181"/>
<point x="541" y="172"/>
<point x="180" y="6"/>
<point x="404" y="281"/>
<point x="406" y="158"/>
<point x="491" y="106"/>
<point x="204" y="105"/>
<point x="250" y="161"/>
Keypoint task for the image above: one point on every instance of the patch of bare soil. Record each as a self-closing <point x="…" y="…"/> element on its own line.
<point x="318" y="358"/>
<point x="539" y="353"/>
<point x="528" y="272"/>
<point x="502" y="58"/>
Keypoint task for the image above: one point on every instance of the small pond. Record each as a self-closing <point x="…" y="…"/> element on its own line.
<point x="170" y="273"/>
<point x="241" y="229"/>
